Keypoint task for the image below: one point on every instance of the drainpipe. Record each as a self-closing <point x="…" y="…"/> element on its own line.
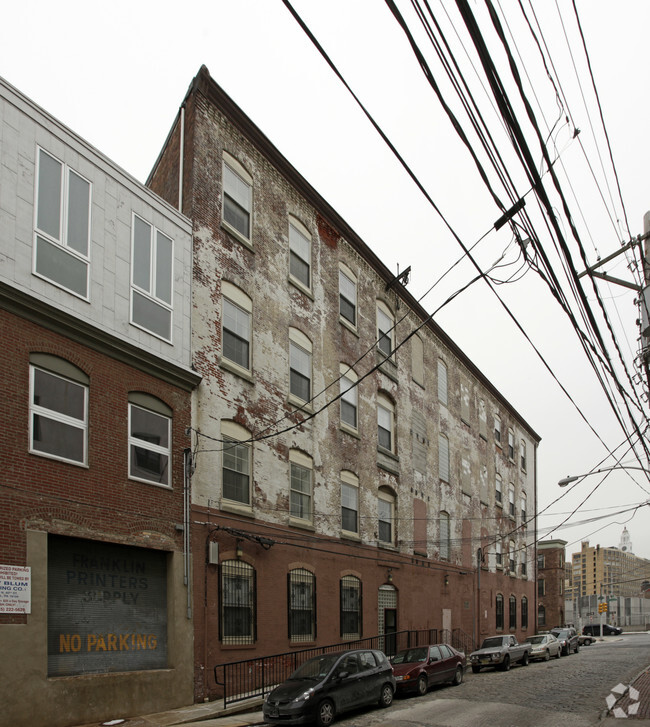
<point x="187" y="478"/>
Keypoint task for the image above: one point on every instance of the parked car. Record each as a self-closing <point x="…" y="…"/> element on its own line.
<point x="499" y="651"/>
<point x="544" y="646"/>
<point x="330" y="684"/>
<point x="608" y="630"/>
<point x="420" y="667"/>
<point x="586" y="640"/>
<point x="568" y="639"/>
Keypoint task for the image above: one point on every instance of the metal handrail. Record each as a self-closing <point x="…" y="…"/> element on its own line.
<point x="256" y="677"/>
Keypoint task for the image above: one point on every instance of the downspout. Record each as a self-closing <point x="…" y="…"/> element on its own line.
<point x="186" y="527"/>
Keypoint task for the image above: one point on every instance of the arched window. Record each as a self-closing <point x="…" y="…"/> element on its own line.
<point x="349" y="398"/>
<point x="301" y="596"/>
<point x="237" y="198"/>
<point x="443" y="397"/>
<point x="445" y="536"/>
<point x="300" y="366"/>
<point x="541" y="616"/>
<point x="385" y="423"/>
<point x="443" y="458"/>
<point x="386" y="516"/>
<point x="385" y="329"/>
<point x="349" y="502"/>
<point x="299" y="254"/>
<point x="236" y="326"/>
<point x="237" y="602"/>
<point x="499" y="612"/>
<point x="347" y="296"/>
<point x="236" y="463"/>
<point x="150" y="423"/>
<point x="512" y="558"/>
<point x="301" y="485"/>
<point x="512" y="612"/>
<point x="417" y="360"/>
<point x="524" y="612"/>
<point x="350" y="607"/>
<point x="58" y="409"/>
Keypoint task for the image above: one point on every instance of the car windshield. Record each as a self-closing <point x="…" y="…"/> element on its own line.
<point x="495" y="643"/>
<point x="535" y="639"/>
<point x="559" y="633"/>
<point x="316" y="668"/>
<point x="409" y="656"/>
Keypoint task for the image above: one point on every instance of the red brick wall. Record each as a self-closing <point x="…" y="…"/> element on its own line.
<point x="98" y="501"/>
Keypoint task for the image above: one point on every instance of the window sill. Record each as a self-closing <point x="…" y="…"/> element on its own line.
<point x="348" y="430"/>
<point x="301" y="287"/>
<point x="300" y="404"/>
<point x="350" y="326"/>
<point x="239" y="371"/>
<point x="236" y="234"/>
<point x="302" y="524"/>
<point x="387" y="546"/>
<point x="236" y="507"/>
<point x="150" y="482"/>
<point x="387" y="366"/>
<point x="348" y="535"/>
<point x="388" y="461"/>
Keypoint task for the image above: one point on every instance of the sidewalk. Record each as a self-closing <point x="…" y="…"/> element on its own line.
<point x="209" y="714"/>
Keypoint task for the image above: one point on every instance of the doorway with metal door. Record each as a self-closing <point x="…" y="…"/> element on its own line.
<point x="387" y="621"/>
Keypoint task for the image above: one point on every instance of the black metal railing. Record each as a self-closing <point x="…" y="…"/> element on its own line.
<point x="250" y="678"/>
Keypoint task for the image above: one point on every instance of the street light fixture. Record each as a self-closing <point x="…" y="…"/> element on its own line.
<point x="572" y="478"/>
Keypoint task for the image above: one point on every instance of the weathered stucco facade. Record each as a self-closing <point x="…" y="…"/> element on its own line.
<point x="354" y="473"/>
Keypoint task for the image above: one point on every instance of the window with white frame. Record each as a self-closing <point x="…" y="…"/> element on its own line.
<point x="511" y="500"/>
<point x="236" y="465"/>
<point x="522" y="455"/>
<point x="347" y="295"/>
<point x="349" y="398"/>
<point x="299" y="254"/>
<point x="62" y="225"/>
<point x="497" y="429"/>
<point x="237" y="197"/>
<point x="512" y="557"/>
<point x="237" y="314"/>
<point x="385" y="423"/>
<point x="300" y="486"/>
<point x="58" y="409"/>
<point x="498" y="551"/>
<point x="302" y="605"/>
<point x="300" y="371"/>
<point x="511" y="445"/>
<point x="498" y="489"/>
<point x="237" y="596"/>
<point x="349" y="502"/>
<point x="149" y="439"/>
<point x="386" y="516"/>
<point x="443" y="458"/>
<point x="524" y="508"/>
<point x="445" y="536"/>
<point x="350" y="607"/>
<point x="385" y="326"/>
<point x="443" y="396"/>
<point x="151" y="279"/>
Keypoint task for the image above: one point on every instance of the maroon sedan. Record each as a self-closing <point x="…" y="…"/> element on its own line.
<point x="420" y="667"/>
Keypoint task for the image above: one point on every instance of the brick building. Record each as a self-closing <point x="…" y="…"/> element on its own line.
<point x="354" y="473"/>
<point x="96" y="400"/>
<point x="551" y="559"/>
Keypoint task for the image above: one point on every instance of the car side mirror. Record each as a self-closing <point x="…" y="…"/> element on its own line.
<point x="343" y="674"/>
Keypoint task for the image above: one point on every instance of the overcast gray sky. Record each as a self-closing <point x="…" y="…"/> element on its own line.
<point x="116" y="74"/>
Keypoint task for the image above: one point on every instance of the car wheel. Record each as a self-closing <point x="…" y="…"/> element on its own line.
<point x="476" y="669"/>
<point x="325" y="714"/>
<point x="506" y="664"/>
<point x="547" y="655"/>
<point x="524" y="659"/>
<point x="386" y="696"/>
<point x="422" y="685"/>
<point x="458" y="677"/>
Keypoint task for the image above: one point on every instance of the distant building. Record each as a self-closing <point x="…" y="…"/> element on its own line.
<point x="353" y="468"/>
<point x="95" y="275"/>
<point x="550" y="584"/>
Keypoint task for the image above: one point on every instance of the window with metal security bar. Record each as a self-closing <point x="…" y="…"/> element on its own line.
<point x="499" y="612"/>
<point x="350" y="607"/>
<point x="238" y="603"/>
<point x="512" y="613"/>
<point x="301" y="585"/>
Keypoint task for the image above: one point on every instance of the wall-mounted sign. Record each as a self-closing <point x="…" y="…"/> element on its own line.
<point x="15" y="589"/>
<point x="107" y="607"/>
